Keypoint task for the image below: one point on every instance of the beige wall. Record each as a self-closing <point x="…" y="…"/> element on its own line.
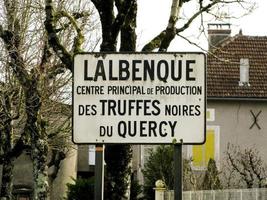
<point x="66" y="173"/>
<point x="83" y="162"/>
<point x="234" y="120"/>
<point x="22" y="172"/>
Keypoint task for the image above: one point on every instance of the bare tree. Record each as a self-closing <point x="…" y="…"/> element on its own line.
<point x="36" y="84"/>
<point x="9" y="149"/>
<point x="12" y="41"/>
<point x="245" y="167"/>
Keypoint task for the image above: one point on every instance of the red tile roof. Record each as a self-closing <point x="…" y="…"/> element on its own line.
<point x="223" y="68"/>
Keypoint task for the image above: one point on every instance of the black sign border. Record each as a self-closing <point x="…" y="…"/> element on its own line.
<point x="103" y="54"/>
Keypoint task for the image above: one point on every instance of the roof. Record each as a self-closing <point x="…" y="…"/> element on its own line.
<point x="223" y="68"/>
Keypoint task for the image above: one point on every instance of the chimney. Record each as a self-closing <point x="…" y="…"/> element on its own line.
<point x="218" y="32"/>
<point x="244" y="72"/>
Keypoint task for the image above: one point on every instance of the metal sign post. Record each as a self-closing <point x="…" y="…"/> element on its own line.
<point x="178" y="172"/>
<point x="99" y="173"/>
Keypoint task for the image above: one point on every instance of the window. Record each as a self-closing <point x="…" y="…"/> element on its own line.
<point x="23" y="198"/>
<point x="22" y="192"/>
<point x="201" y="154"/>
<point x="210" y="114"/>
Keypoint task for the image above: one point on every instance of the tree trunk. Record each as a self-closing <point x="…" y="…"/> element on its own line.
<point x="40" y="170"/>
<point x="39" y="145"/>
<point x="40" y="175"/>
<point x="128" y="44"/>
<point x="118" y="171"/>
<point x="7" y="184"/>
<point x="6" y="147"/>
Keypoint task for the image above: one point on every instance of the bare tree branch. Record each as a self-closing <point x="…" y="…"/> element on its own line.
<point x="12" y="44"/>
<point x="112" y="25"/>
<point x="247" y="164"/>
<point x="162" y="40"/>
<point x="79" y="39"/>
<point x="53" y="39"/>
<point x="128" y="35"/>
<point x="191" y="19"/>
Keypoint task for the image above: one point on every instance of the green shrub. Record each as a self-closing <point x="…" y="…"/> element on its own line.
<point x="81" y="189"/>
<point x="136" y="190"/>
<point x="159" y="165"/>
<point x="211" y="179"/>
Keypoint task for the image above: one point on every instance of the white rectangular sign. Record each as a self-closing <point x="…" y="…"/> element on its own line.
<point x="139" y="98"/>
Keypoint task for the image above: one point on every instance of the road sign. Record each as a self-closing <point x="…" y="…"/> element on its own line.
<point x="139" y="98"/>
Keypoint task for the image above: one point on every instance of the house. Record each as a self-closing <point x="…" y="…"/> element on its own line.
<point x="236" y="94"/>
<point x="236" y="98"/>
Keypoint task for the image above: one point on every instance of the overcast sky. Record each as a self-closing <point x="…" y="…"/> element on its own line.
<point x="153" y="17"/>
